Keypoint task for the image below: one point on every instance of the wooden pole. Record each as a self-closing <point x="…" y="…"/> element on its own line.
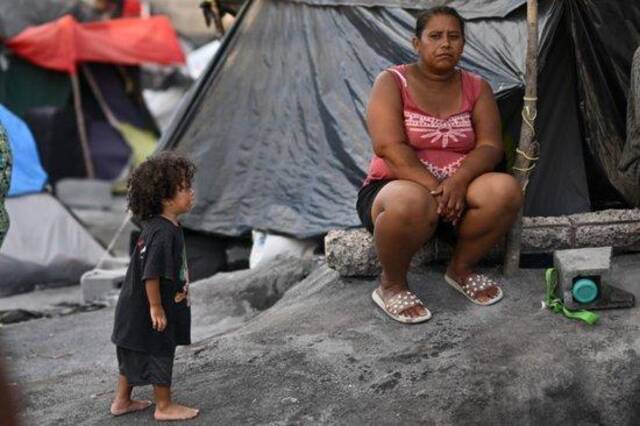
<point x="527" y="151"/>
<point x="82" y="130"/>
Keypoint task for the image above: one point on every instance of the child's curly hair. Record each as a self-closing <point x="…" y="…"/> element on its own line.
<point x="156" y="179"/>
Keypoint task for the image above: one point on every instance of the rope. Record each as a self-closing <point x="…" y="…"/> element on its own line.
<point x="532" y="159"/>
<point x="528" y="169"/>
<point x="529" y="113"/>
<point x="113" y="240"/>
<point x="555" y="305"/>
<point x="529" y="117"/>
<point x="524" y="154"/>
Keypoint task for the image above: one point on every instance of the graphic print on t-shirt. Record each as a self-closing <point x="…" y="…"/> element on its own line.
<point x="184" y="277"/>
<point x="142" y="249"/>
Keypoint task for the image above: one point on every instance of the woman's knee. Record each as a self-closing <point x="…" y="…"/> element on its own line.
<point x="412" y="209"/>
<point x="496" y="191"/>
<point x="508" y="192"/>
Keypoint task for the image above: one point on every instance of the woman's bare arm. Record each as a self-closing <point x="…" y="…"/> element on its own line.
<point x="482" y="159"/>
<point x="489" y="150"/>
<point x="386" y="128"/>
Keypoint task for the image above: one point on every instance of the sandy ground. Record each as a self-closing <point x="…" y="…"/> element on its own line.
<point x="296" y="344"/>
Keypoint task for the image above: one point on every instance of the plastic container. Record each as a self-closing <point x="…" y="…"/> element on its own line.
<point x="584" y="290"/>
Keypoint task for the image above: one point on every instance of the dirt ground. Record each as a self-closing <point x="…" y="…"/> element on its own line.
<point x="293" y="343"/>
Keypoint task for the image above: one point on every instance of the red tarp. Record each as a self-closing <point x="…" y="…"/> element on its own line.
<point x="131" y="8"/>
<point x="61" y="44"/>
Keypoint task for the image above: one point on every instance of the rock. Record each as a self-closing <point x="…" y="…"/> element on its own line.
<point x="230" y="298"/>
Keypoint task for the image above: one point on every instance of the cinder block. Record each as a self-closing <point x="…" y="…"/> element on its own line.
<point x="97" y="283"/>
<point x="586" y="262"/>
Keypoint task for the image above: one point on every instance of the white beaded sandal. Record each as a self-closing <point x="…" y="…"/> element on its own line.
<point x="474" y="284"/>
<point x="399" y="303"/>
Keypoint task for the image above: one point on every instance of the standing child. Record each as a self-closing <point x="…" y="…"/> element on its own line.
<point x="153" y="314"/>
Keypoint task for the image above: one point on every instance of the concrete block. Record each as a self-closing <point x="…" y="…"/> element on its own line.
<point x="620" y="235"/>
<point x="575" y="263"/>
<point x="351" y="252"/>
<point x="584" y="261"/>
<point x="605" y="216"/>
<point x="545" y="234"/>
<point x="591" y="263"/>
<point x="97" y="283"/>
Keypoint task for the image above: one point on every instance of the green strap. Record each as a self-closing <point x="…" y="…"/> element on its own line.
<point x="556" y="305"/>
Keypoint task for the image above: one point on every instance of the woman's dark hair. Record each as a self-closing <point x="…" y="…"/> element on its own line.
<point x="156" y="179"/>
<point x="423" y="18"/>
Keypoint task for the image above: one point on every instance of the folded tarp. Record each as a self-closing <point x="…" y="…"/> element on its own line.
<point x="61" y="44"/>
<point x="27" y="175"/>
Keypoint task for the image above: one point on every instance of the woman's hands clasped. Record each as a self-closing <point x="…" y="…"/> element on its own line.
<point x="451" y="195"/>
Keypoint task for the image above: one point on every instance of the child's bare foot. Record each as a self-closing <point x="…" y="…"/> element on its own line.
<point x="175" y="411"/>
<point x="119" y="408"/>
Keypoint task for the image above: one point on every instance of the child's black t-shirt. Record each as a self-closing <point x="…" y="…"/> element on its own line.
<point x="159" y="253"/>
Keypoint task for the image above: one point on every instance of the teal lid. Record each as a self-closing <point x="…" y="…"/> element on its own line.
<point x="584" y="290"/>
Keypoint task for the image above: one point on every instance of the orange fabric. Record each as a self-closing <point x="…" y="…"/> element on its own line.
<point x="61" y="44"/>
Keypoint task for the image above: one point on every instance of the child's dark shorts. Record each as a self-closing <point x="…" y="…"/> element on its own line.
<point x="367" y="194"/>
<point x="141" y="368"/>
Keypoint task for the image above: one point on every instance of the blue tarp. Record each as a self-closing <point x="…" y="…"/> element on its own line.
<point x="27" y="176"/>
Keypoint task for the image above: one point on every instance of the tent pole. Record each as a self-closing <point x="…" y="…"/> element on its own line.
<point x="111" y="118"/>
<point x="82" y="130"/>
<point x="527" y="151"/>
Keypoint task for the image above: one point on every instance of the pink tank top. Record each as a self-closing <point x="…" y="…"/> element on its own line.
<point x="440" y="143"/>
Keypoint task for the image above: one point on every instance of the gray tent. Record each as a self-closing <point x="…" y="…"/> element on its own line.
<point x="276" y="123"/>
<point x="45" y="245"/>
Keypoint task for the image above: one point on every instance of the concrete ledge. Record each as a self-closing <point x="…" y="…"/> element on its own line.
<point x="616" y="228"/>
<point x="351" y="252"/>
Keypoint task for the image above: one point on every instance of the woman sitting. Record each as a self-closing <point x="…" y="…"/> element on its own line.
<point x="436" y="135"/>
